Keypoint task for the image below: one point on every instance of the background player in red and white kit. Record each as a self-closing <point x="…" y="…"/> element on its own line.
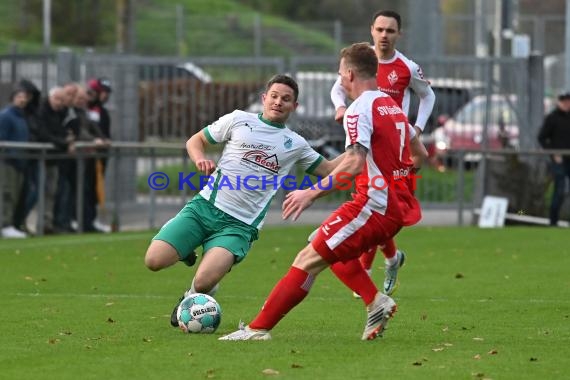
<point x="396" y="76"/>
<point x="377" y="145"/>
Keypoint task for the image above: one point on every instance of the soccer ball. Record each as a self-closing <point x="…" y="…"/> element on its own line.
<point x="199" y="313"/>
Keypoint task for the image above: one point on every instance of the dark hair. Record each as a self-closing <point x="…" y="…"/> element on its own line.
<point x="388" y="13"/>
<point x="361" y="58"/>
<point x="286" y="80"/>
<point x="564" y="95"/>
<point x="17" y="90"/>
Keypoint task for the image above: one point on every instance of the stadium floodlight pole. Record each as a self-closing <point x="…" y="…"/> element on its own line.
<point x="567" y="48"/>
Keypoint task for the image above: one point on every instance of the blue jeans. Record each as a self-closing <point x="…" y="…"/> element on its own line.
<point x="559" y="174"/>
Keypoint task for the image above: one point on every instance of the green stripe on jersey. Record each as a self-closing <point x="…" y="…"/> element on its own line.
<point x="209" y="136"/>
<point x="215" y="187"/>
<point x="315" y="164"/>
<point x="261" y="216"/>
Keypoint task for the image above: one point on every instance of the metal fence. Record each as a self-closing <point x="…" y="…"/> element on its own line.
<point x="520" y="176"/>
<point x="485" y="103"/>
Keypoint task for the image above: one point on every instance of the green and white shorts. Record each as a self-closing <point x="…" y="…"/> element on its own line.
<point x="201" y="223"/>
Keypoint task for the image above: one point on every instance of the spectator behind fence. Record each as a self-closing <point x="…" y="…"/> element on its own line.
<point x="98" y="92"/>
<point x="63" y="206"/>
<point x="52" y="131"/>
<point x="555" y="134"/>
<point x="29" y="195"/>
<point x="85" y="130"/>
<point x="13" y="128"/>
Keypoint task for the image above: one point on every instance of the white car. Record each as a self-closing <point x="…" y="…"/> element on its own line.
<point x="465" y="129"/>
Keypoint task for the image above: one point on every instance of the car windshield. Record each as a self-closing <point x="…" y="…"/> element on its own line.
<point x="474" y="112"/>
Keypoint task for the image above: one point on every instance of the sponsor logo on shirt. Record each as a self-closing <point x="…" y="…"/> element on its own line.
<point x="352" y="127"/>
<point x="262" y="160"/>
<point x="288" y="142"/>
<point x="393" y="77"/>
<point x="388" y="110"/>
<point x="257" y="146"/>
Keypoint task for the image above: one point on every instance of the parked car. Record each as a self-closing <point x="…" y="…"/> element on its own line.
<point x="465" y="129"/>
<point x="450" y="95"/>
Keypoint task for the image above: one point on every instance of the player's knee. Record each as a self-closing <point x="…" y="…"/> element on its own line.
<point x="152" y="262"/>
<point x="153" y="259"/>
<point x="160" y="255"/>
<point x="203" y="284"/>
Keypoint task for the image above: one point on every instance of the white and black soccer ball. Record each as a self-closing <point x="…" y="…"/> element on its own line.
<point x="199" y="313"/>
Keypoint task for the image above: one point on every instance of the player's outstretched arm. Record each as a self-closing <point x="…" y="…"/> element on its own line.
<point x="196" y="147"/>
<point x="351" y="165"/>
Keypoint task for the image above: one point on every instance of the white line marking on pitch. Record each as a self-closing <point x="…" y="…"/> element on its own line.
<point x="156" y="296"/>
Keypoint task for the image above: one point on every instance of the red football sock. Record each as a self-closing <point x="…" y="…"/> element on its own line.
<point x="367" y="257"/>
<point x="389" y="249"/>
<point x="355" y="277"/>
<point x="287" y="294"/>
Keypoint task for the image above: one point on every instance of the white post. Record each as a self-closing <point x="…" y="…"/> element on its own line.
<point x="481" y="46"/>
<point x="47" y="24"/>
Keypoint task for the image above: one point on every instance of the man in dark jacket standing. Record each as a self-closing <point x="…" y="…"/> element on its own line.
<point x="52" y="131"/>
<point x="555" y="134"/>
<point x="13" y="128"/>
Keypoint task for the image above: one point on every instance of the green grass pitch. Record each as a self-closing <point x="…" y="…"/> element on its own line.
<point x="473" y="304"/>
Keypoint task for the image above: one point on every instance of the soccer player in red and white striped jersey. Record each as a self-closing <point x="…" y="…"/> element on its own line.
<point x="377" y="146"/>
<point x="397" y="76"/>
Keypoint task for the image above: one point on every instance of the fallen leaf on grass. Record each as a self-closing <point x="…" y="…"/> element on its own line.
<point x="493" y="352"/>
<point x="477" y="357"/>
<point x="28" y="278"/>
<point x="478" y="374"/>
<point x="295" y="351"/>
<point x="110" y="320"/>
<point x="53" y="341"/>
<point x="417" y="363"/>
<point x="437" y="349"/>
<point x="270" y="372"/>
<point x="65" y="333"/>
<point x="147" y="339"/>
<point x="448" y="344"/>
<point x="533" y="359"/>
<point x="296" y="365"/>
<point x="459" y="275"/>
<point x="478" y="339"/>
<point x="445" y="329"/>
<point x="423" y="317"/>
<point x="109" y="304"/>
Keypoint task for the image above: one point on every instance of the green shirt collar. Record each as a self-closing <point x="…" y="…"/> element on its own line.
<point x="272" y="123"/>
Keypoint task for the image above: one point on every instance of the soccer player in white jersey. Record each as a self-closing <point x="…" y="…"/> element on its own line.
<point x="225" y="217"/>
<point x="378" y="150"/>
<point x="396" y="76"/>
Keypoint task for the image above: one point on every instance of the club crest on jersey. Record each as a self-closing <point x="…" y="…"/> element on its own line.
<point x="352" y="127"/>
<point x="260" y="159"/>
<point x="287" y="142"/>
<point x="393" y="77"/>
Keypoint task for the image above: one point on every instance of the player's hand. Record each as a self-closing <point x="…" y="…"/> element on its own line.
<point x="206" y="166"/>
<point x="339" y="115"/>
<point x="418" y="130"/>
<point x="557" y="158"/>
<point x="295" y="202"/>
